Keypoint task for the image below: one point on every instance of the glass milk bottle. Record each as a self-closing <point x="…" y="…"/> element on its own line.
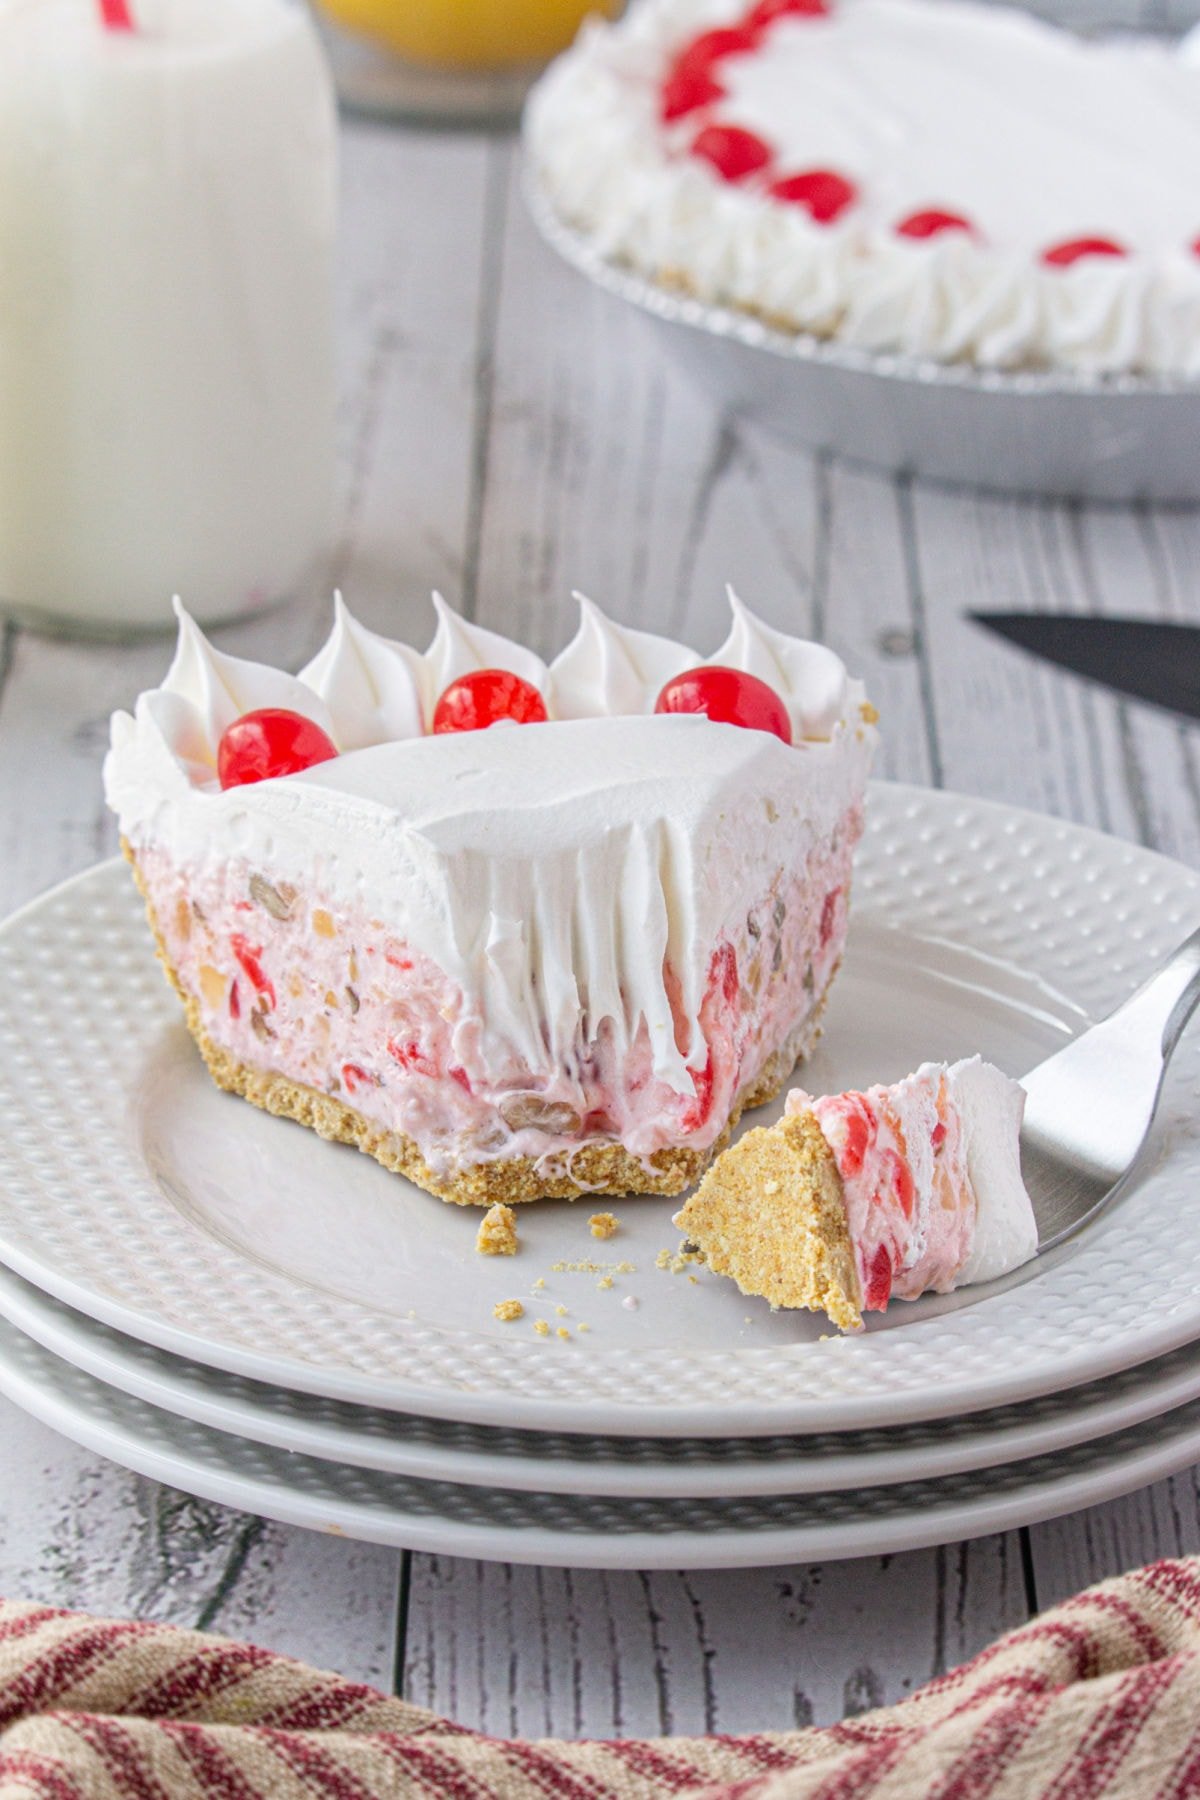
<point x="167" y="204"/>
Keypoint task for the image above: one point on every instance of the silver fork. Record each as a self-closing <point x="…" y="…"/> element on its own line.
<point x="1089" y="1106"/>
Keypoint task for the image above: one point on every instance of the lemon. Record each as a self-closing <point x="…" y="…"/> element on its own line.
<point x="468" y="34"/>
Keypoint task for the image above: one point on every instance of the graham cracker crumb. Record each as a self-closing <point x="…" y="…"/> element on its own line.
<point x="604" y="1225"/>
<point x="605" y="1281"/>
<point x="497" y="1235"/>
<point x="868" y="713"/>
<point x="541" y="1327"/>
<point x="676" y="1261"/>
<point x="587" y="1267"/>
<point x="507" y="1310"/>
<point x="540" y="1282"/>
<point x="562" y="1332"/>
<point x="561" y="1312"/>
<point x="582" y="1326"/>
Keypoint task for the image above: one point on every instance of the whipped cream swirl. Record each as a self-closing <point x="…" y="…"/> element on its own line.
<point x="1034" y="136"/>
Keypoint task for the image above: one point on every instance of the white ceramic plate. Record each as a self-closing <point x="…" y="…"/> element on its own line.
<point x="572" y="1531"/>
<point x="135" y="1192"/>
<point x="616" y="1468"/>
<point x="1045" y="432"/>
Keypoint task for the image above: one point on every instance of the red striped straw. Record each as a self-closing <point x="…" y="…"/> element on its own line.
<point x="116" y="15"/>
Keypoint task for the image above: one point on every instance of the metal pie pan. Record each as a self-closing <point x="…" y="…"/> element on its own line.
<point x="1044" y="433"/>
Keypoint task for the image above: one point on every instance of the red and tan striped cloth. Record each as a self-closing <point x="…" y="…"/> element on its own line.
<point x="1101" y="1696"/>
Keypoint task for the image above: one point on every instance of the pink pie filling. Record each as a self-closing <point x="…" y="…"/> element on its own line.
<point x="287" y="981"/>
<point x="910" y="1207"/>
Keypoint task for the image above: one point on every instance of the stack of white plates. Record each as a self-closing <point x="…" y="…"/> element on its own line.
<point x="223" y="1302"/>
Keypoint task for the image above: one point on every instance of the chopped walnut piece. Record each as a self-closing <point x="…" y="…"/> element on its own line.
<point x="497" y="1234"/>
<point x="604" y="1225"/>
<point x="277" y="898"/>
<point x="508" y="1310"/>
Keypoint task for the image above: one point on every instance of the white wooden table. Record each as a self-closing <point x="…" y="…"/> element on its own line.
<point x="507" y="435"/>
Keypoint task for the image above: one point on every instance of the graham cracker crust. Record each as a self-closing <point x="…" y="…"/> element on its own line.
<point x="601" y="1167"/>
<point x="771" y="1213"/>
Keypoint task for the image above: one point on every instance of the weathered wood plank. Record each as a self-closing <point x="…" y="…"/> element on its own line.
<point x="592" y="1654"/>
<point x="82" y="1533"/>
<point x="1070" y="1553"/>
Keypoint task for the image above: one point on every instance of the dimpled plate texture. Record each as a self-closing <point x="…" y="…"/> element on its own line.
<point x="133" y="1191"/>
<point x="561" y="1463"/>
<point x="578" y="1532"/>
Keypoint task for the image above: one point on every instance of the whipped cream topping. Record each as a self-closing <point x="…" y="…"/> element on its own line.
<point x="554" y="870"/>
<point x="991" y="1108"/>
<point x="1032" y="135"/>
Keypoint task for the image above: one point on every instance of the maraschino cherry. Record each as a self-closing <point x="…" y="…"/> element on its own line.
<point x="932" y="223"/>
<point x="728" y="697"/>
<point x="1062" y="256"/>
<point x="767" y="11"/>
<point x="488" y="697"/>
<point x="733" y="152"/>
<point x="822" y="192"/>
<point x="268" y="742"/>
<point x="686" y="90"/>
<point x="712" y="46"/>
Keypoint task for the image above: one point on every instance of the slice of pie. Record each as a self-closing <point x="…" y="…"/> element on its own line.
<point x="856" y="1199"/>
<point x="555" y="956"/>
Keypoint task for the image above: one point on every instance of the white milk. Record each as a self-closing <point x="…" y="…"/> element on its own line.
<point x="166" y="342"/>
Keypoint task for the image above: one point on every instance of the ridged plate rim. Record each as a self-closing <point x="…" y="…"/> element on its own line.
<point x="609" y="1468"/>
<point x="572" y="1531"/>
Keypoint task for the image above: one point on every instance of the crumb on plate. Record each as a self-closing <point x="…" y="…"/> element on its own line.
<point x="676" y="1261"/>
<point x="541" y="1327"/>
<point x="498" y="1232"/>
<point x="604" y="1225"/>
<point x="508" y="1309"/>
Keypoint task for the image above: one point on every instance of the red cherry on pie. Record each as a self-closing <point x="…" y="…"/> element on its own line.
<point x="733" y="152"/>
<point x="728" y="697"/>
<point x="711" y="46"/>
<point x="1061" y="256"/>
<point x="686" y="90"/>
<point x="269" y="742"/>
<point x="823" y="192"/>
<point x="932" y="223"/>
<point x="767" y="11"/>
<point x="486" y="697"/>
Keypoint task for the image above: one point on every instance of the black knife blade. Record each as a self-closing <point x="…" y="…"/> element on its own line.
<point x="1143" y="658"/>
